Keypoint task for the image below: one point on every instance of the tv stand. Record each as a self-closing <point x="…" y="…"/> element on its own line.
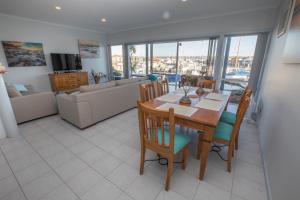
<point x="67" y="81"/>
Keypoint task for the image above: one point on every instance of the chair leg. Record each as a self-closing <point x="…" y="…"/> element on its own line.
<point x="229" y="157"/>
<point x="185" y="153"/>
<point x="142" y="161"/>
<point x="169" y="173"/>
<point x="199" y="147"/>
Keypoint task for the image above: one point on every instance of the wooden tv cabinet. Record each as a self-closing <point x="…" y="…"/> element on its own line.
<point x="68" y="81"/>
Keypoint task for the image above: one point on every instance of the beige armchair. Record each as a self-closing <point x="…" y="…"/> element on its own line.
<point x="33" y="106"/>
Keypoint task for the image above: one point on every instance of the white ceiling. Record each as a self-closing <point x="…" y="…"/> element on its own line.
<point x="125" y="14"/>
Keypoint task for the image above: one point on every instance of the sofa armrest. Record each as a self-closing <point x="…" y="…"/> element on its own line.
<point x="77" y="113"/>
<point x="34" y="106"/>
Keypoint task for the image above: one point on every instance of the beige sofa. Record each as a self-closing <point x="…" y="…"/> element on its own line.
<point x="98" y="102"/>
<point x="33" y="106"/>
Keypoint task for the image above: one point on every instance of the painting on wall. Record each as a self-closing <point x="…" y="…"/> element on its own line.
<point x="89" y="49"/>
<point x="284" y="19"/>
<point x="292" y="48"/>
<point x="24" y="54"/>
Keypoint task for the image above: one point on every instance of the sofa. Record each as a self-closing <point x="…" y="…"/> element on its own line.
<point x="95" y="103"/>
<point x="29" y="105"/>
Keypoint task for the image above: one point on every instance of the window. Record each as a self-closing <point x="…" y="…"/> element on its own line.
<point x="164" y="58"/>
<point x="193" y="58"/>
<point x="238" y="61"/>
<point x="117" y="61"/>
<point x="137" y="59"/>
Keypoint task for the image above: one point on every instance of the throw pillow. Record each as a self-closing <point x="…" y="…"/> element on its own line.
<point x="20" y="87"/>
<point x="13" y="92"/>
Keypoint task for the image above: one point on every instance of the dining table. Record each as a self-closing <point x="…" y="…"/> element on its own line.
<point x="202" y="118"/>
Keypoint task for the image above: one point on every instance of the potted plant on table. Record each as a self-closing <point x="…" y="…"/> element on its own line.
<point x="97" y="76"/>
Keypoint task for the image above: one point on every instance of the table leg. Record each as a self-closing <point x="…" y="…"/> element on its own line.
<point x="205" y="148"/>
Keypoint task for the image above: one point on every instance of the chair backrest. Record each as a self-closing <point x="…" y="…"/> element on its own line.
<point x="163" y="87"/>
<point x="153" y="128"/>
<point x="211" y="84"/>
<point x="247" y="93"/>
<point x="241" y="114"/>
<point x="147" y="92"/>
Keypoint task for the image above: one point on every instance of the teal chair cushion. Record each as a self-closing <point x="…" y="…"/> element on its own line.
<point x="152" y="77"/>
<point x="222" y="131"/>
<point x="228" y="117"/>
<point x="180" y="141"/>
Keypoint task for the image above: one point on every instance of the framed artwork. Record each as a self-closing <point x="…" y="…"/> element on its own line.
<point x="24" y="54"/>
<point x="292" y="46"/>
<point x="284" y="19"/>
<point x="89" y="49"/>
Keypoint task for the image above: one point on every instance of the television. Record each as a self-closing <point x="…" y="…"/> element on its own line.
<point x="66" y="62"/>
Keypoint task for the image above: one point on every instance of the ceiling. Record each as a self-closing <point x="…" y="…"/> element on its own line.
<point x="125" y="14"/>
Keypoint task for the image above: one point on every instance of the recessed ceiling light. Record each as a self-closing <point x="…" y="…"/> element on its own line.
<point x="166" y="15"/>
<point x="103" y="20"/>
<point x="184" y="0"/>
<point x="57" y="7"/>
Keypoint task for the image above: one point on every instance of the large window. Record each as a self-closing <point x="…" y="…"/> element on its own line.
<point x="164" y="58"/>
<point x="117" y="61"/>
<point x="238" y="62"/>
<point x="193" y="58"/>
<point x="137" y="59"/>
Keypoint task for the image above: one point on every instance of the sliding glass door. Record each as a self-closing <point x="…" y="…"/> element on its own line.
<point x="164" y="58"/>
<point x="196" y="57"/>
<point x="117" y="62"/>
<point x="137" y="59"/>
<point x="238" y="63"/>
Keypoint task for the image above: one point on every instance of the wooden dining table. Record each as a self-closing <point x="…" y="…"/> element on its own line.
<point x="203" y="119"/>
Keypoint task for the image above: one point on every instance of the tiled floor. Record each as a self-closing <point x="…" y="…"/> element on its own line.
<point x="56" y="161"/>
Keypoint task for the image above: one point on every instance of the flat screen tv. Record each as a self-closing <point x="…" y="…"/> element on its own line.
<point x="66" y="62"/>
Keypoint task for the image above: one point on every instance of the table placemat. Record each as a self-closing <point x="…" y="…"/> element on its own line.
<point x="217" y="96"/>
<point x="172" y="98"/>
<point x="178" y="109"/>
<point x="209" y="104"/>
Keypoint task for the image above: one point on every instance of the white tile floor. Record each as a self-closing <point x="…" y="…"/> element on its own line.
<point x="55" y="161"/>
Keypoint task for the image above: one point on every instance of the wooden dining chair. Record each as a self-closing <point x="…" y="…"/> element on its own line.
<point x="210" y="84"/>
<point x="226" y="134"/>
<point x="162" y="140"/>
<point x="230" y="118"/>
<point x="163" y="87"/>
<point x="147" y="92"/>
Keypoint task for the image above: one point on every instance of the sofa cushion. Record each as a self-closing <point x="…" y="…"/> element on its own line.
<point x="13" y="92"/>
<point x="89" y="88"/>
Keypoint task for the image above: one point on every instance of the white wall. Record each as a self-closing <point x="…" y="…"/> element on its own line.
<point x="254" y="21"/>
<point x="279" y="123"/>
<point x="55" y="39"/>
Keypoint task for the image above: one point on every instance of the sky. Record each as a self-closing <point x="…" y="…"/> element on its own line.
<point x="194" y="48"/>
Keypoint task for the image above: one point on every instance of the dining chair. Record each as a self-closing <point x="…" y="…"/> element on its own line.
<point x="230" y="118"/>
<point x="147" y="92"/>
<point x="162" y="140"/>
<point x="163" y="87"/>
<point x="210" y="84"/>
<point x="226" y="134"/>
